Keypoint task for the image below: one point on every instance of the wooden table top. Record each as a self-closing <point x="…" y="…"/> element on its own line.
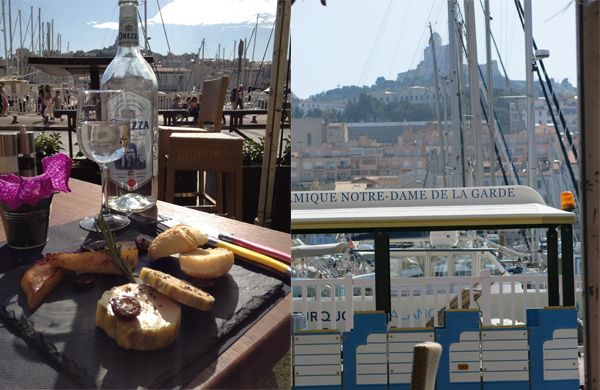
<point x="247" y="360"/>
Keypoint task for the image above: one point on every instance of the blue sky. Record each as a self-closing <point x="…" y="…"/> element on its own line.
<point x="92" y="24"/>
<point x="352" y="42"/>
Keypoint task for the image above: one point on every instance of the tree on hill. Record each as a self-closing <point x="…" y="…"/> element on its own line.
<point x="314" y="113"/>
<point x="297" y="112"/>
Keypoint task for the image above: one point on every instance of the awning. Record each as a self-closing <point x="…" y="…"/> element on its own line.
<point x="73" y="66"/>
<point x="425" y="209"/>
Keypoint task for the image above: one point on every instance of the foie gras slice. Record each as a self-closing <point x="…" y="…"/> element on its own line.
<point x="156" y="326"/>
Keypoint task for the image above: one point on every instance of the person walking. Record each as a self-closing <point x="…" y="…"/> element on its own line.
<point x="57" y="103"/>
<point x="4" y="100"/>
<point x="48" y="103"/>
<point x="41" y="104"/>
<point x="240" y="97"/>
<point x="233" y="98"/>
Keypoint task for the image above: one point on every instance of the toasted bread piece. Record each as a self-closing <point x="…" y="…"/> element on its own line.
<point x="40" y="280"/>
<point x="206" y="263"/>
<point x="155" y="327"/>
<point x="180" y="290"/>
<point x="91" y="262"/>
<point x="178" y="239"/>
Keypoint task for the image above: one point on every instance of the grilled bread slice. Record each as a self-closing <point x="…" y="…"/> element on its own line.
<point x="40" y="280"/>
<point x="179" y="290"/>
<point x="178" y="239"/>
<point x="206" y="263"/>
<point x="155" y="327"/>
<point x="91" y="262"/>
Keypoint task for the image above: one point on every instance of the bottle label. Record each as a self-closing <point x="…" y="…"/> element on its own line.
<point x="128" y="28"/>
<point x="134" y="169"/>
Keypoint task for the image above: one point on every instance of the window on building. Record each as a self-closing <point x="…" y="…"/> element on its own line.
<point x="411" y="98"/>
<point x="306" y="176"/>
<point x="519" y="151"/>
<point x="330" y="175"/>
<point x="421" y="97"/>
<point x="309" y="139"/>
<point x="336" y="153"/>
<point x="318" y="153"/>
<point x="306" y="154"/>
<point x="330" y="165"/>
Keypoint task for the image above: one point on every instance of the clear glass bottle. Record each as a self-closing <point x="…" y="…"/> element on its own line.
<point x="132" y="180"/>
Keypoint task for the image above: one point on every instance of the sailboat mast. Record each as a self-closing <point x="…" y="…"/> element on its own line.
<point x="474" y="90"/>
<point x="442" y="156"/>
<point x="453" y="84"/>
<point x="20" y="55"/>
<point x="32" y="31"/>
<point x="466" y="177"/>
<point x="10" y="36"/>
<point x="253" y="48"/>
<point x="4" y="30"/>
<point x="40" y="31"/>
<point x="490" y="92"/>
<point x="529" y="61"/>
<point x="532" y="151"/>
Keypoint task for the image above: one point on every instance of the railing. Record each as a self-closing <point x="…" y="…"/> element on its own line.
<point x="502" y="298"/>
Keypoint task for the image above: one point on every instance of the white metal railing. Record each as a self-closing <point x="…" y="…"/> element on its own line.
<point x="502" y="298"/>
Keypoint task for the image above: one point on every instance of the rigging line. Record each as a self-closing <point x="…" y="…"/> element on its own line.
<point x="555" y="100"/>
<point x="493" y="140"/>
<point x="166" y="37"/>
<point x="495" y="115"/>
<point x="400" y="37"/>
<point x="263" y="59"/>
<point x="375" y="46"/>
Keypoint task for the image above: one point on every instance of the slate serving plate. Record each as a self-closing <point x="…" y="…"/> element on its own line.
<point x="63" y="327"/>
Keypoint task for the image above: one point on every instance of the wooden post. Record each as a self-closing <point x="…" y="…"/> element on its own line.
<point x="588" y="63"/>
<point x="267" y="179"/>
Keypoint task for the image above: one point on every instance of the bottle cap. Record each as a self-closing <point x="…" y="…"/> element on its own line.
<point x="8" y="144"/>
<point x="121" y="2"/>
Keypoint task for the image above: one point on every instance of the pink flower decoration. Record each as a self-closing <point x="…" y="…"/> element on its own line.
<point x="9" y="186"/>
<point x="33" y="189"/>
<point x="59" y="169"/>
<point x="14" y="190"/>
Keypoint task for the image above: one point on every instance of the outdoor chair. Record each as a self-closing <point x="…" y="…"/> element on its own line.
<point x="214" y="93"/>
<point x="209" y="152"/>
<point x="426" y="357"/>
<point x="164" y="133"/>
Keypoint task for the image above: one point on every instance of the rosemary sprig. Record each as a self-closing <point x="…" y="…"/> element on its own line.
<point x="114" y="249"/>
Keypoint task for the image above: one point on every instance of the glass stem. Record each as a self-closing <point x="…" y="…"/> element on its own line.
<point x="105" y="210"/>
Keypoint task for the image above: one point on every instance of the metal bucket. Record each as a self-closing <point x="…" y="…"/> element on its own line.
<point x="27" y="226"/>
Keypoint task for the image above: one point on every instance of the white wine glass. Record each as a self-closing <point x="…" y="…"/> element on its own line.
<point x="103" y="134"/>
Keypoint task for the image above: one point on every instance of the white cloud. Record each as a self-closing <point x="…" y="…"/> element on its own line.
<point x="210" y="12"/>
<point x="107" y="25"/>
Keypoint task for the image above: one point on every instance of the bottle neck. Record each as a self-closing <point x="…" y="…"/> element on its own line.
<point x="128" y="27"/>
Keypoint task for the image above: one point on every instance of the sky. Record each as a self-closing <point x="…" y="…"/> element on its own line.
<point x="92" y="24"/>
<point x="353" y="42"/>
